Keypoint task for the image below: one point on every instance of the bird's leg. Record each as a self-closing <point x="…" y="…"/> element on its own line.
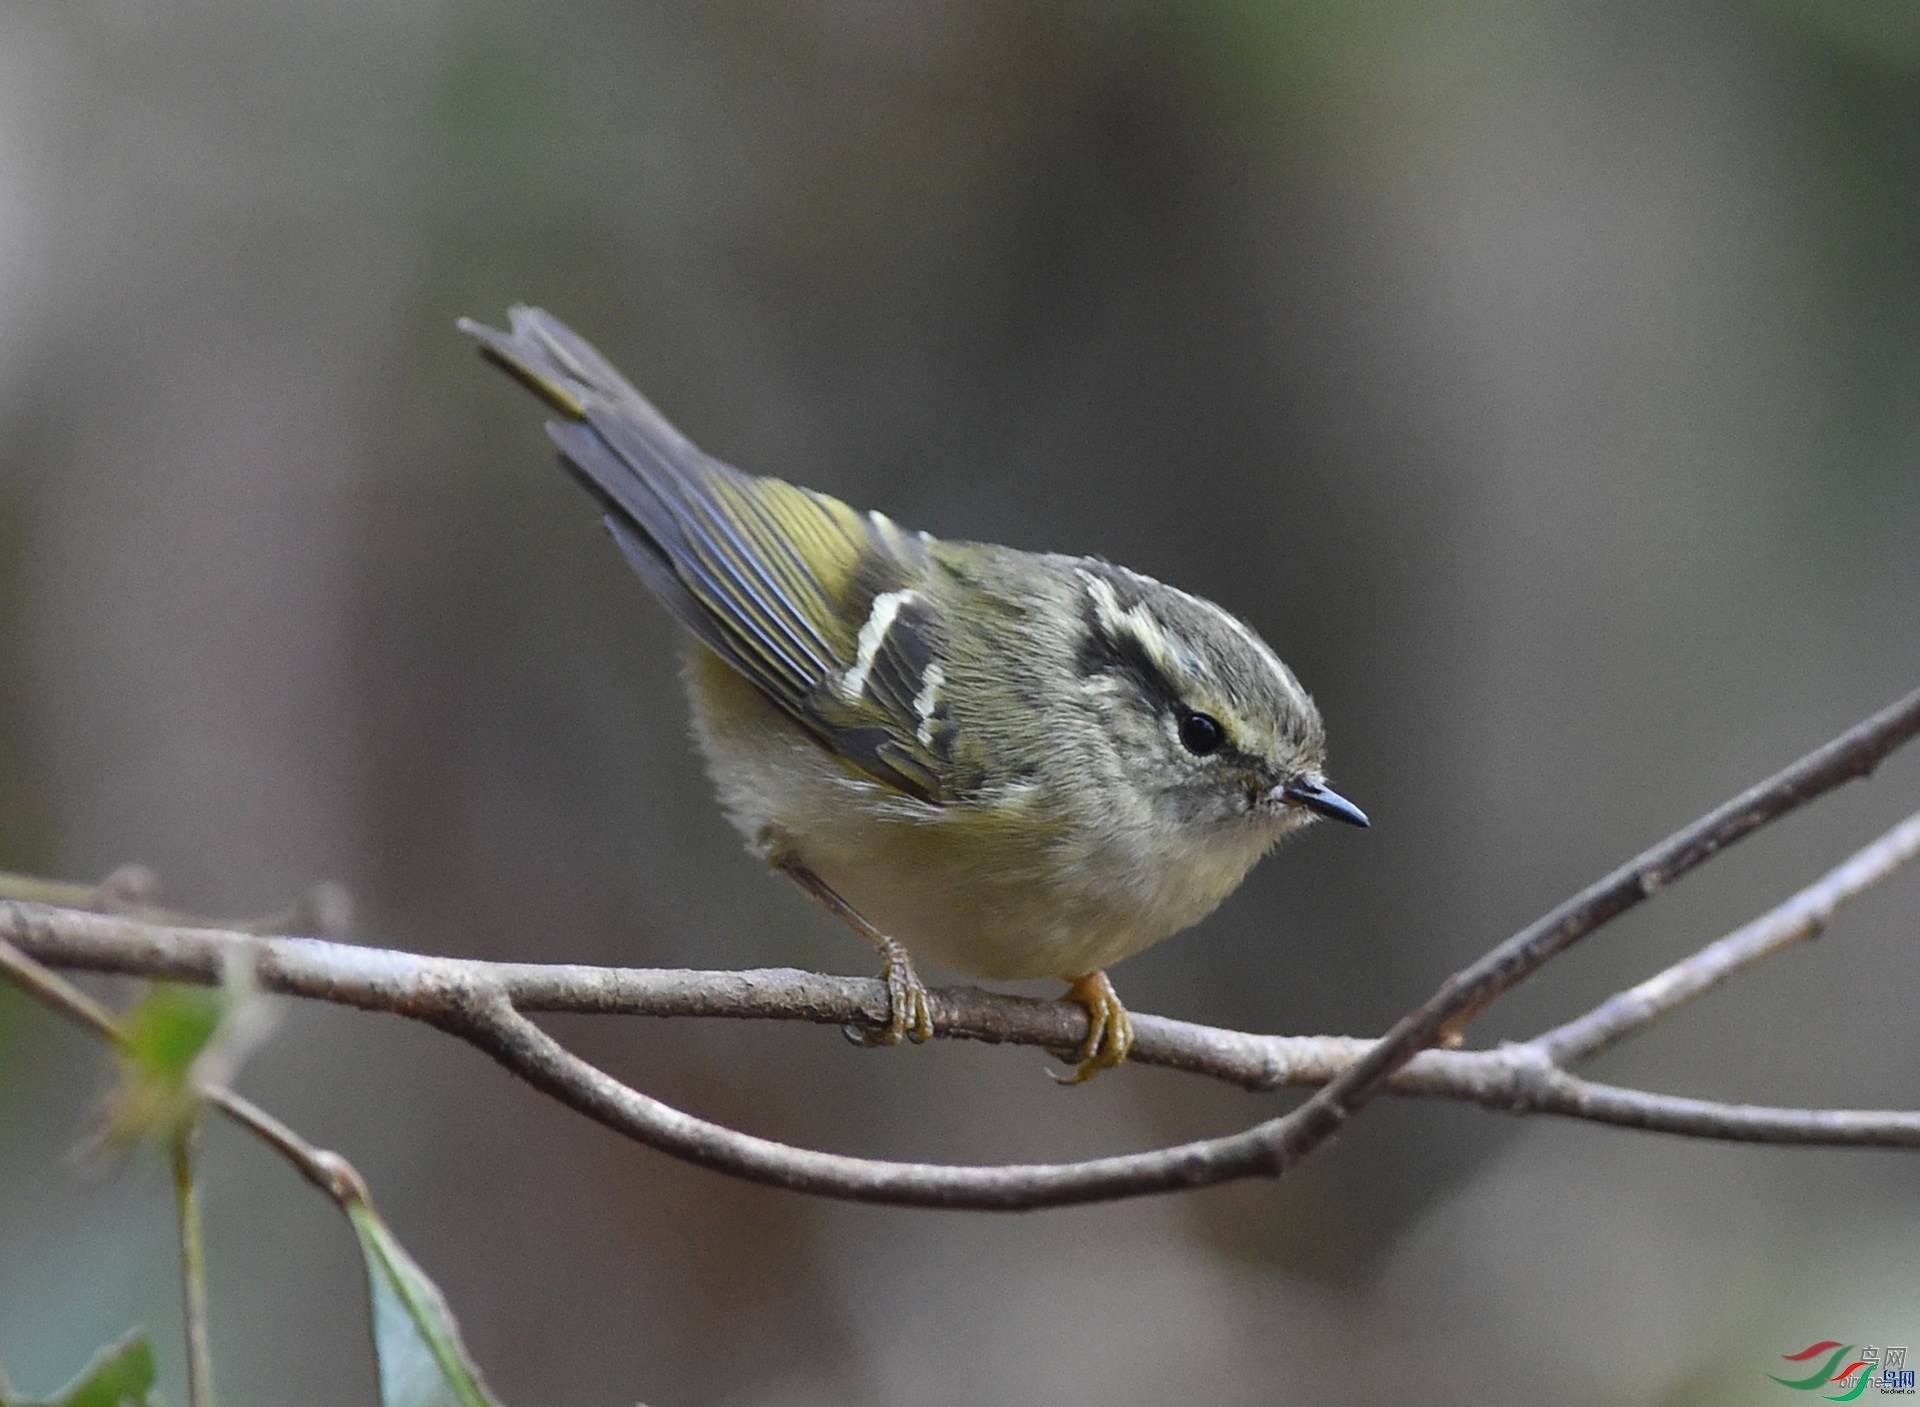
<point x="908" y="1012"/>
<point x="1109" y="1028"/>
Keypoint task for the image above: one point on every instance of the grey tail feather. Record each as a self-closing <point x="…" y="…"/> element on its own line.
<point x="577" y="358"/>
<point x="643" y="472"/>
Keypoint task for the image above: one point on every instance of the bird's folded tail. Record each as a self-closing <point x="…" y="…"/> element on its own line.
<point x="564" y="370"/>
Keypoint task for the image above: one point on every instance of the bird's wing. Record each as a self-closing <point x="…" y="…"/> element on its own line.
<point x="818" y="605"/>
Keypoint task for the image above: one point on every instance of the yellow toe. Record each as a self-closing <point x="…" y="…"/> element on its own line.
<point x="1109" y="1028"/>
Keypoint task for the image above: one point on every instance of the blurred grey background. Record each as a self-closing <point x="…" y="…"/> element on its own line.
<point x="1542" y="379"/>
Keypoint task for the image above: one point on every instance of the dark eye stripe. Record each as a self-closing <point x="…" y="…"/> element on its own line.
<point x="1122" y="653"/>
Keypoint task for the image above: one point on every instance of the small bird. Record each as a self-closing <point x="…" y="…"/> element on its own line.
<point x="1016" y="764"/>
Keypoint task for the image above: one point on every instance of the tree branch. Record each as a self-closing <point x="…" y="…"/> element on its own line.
<point x="484" y="1004"/>
<point x="475" y="1001"/>
<point x="1804" y="916"/>
<point x="1854" y="753"/>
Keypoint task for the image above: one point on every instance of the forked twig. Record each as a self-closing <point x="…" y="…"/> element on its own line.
<point x="1854" y="753"/>
<point x="1804" y="916"/>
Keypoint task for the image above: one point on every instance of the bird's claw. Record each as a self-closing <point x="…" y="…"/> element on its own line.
<point x="909" y="1012"/>
<point x="1109" y="1028"/>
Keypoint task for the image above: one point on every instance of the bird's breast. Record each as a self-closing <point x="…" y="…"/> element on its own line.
<point x="1012" y="883"/>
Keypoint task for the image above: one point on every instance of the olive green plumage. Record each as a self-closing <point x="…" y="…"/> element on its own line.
<point x="1017" y="764"/>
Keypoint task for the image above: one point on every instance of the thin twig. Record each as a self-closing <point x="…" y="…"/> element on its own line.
<point x="1804" y="916"/>
<point x="61" y="995"/>
<point x="1549" y="1090"/>
<point x="434" y="990"/>
<point x="61" y="893"/>
<point x="324" y="910"/>
<point x="421" y="987"/>
<point x="193" y="1270"/>
<point x="325" y="1169"/>
<point x="492" y="1024"/>
<point x="1855" y="753"/>
<point x="428" y="989"/>
<point x="1512" y="1081"/>
<point x="328" y="1171"/>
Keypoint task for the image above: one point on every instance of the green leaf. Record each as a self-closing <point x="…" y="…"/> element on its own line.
<point x="118" y="1375"/>
<point x="167" y="1029"/>
<point x="422" y="1361"/>
<point x="180" y="1038"/>
<point x="170" y="1025"/>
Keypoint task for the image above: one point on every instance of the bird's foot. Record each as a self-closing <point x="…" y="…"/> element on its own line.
<point x="909" y="1013"/>
<point x="1109" y="1028"/>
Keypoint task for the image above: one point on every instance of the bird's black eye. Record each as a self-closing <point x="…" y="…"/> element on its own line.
<point x="1200" y="734"/>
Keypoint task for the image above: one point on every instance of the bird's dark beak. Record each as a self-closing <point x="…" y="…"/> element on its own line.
<point x="1323" y="800"/>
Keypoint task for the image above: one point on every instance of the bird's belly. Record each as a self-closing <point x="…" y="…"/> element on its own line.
<point x="951" y="912"/>
<point x="974" y="887"/>
<point x="970" y="903"/>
